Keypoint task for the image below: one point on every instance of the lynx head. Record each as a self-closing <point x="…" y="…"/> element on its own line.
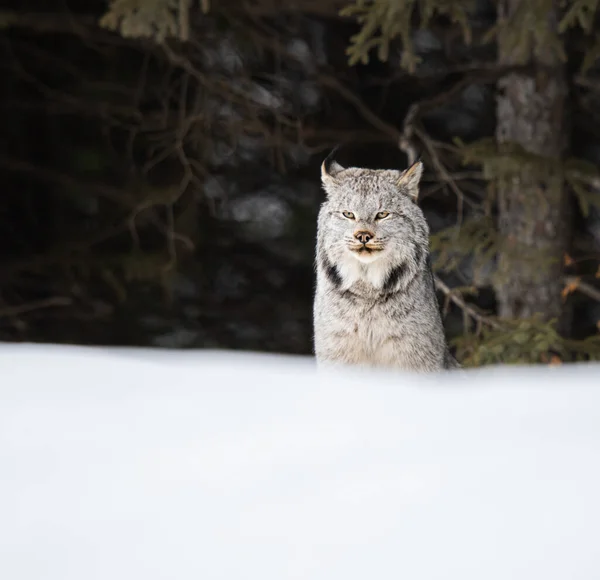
<point x="370" y="219"/>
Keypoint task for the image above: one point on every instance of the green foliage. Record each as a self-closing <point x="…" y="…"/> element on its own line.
<point x="121" y="270"/>
<point x="524" y="341"/>
<point x="524" y="34"/>
<point x="384" y="20"/>
<point x="142" y="18"/>
<point x="393" y="19"/>
<point x="476" y="237"/>
<point x="591" y="55"/>
<point x="581" y="13"/>
<point x="88" y="160"/>
<point x="527" y="32"/>
<point x="580" y="175"/>
<point x="505" y="160"/>
<point x="157" y="19"/>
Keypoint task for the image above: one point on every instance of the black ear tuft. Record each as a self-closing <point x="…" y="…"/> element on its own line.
<point x="418" y="157"/>
<point x="330" y="159"/>
<point x="409" y="179"/>
<point x="330" y="168"/>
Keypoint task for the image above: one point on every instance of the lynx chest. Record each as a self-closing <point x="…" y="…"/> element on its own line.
<point x="367" y="332"/>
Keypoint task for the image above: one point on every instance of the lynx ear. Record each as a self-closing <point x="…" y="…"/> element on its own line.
<point x="410" y="178"/>
<point x="330" y="168"/>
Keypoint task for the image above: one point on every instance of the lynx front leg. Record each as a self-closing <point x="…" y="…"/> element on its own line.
<point x="339" y="349"/>
<point x="408" y="355"/>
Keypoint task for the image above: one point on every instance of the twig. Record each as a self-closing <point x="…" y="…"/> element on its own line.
<point x="362" y="109"/>
<point x="47" y="22"/>
<point x="438" y="165"/>
<point x="587" y="83"/>
<point x="585" y="288"/>
<point x="590" y="180"/>
<point x="184" y="20"/>
<point x="405" y="138"/>
<point x="116" y="195"/>
<point x="37" y="305"/>
<point x="460" y="302"/>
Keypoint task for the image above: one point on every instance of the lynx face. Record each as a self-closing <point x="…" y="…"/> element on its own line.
<point x="371" y="216"/>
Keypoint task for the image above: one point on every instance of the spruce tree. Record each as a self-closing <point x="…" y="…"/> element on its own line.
<point x="532" y="117"/>
<point x="522" y="227"/>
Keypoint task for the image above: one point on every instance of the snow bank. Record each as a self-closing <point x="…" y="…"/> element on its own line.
<point x="127" y="465"/>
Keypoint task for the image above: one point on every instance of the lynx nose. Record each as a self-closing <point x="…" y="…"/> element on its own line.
<point x="363" y="236"/>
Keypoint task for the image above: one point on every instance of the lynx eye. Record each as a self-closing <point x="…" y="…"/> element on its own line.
<point x="382" y="215"/>
<point x="348" y="214"/>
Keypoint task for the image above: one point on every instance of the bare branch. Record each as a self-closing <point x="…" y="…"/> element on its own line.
<point x="46" y="22"/>
<point x="583" y="287"/>
<point x="114" y="194"/>
<point x="457" y="299"/>
<point x="364" y="111"/>
<point x="10" y="311"/>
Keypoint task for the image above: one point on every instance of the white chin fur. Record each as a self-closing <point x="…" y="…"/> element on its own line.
<point x="367" y="258"/>
<point x="354" y="267"/>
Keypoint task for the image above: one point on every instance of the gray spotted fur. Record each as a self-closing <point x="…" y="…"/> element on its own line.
<point x="376" y="309"/>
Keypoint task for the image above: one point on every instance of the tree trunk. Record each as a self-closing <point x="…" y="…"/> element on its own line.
<point x="532" y="199"/>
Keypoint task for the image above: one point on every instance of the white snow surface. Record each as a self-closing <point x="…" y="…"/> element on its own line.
<point x="146" y="465"/>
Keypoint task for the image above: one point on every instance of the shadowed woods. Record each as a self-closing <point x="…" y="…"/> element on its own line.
<point x="161" y="166"/>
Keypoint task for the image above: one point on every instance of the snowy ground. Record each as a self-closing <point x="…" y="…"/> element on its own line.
<point x="127" y="465"/>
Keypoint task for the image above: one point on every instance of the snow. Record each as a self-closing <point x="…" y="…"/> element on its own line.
<point x="131" y="464"/>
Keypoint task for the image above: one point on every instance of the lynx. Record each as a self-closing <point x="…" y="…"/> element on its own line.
<point x="375" y="302"/>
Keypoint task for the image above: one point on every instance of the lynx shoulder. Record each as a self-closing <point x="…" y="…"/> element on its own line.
<point x="375" y="302"/>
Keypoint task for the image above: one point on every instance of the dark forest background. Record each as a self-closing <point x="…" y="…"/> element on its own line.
<point x="160" y="165"/>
